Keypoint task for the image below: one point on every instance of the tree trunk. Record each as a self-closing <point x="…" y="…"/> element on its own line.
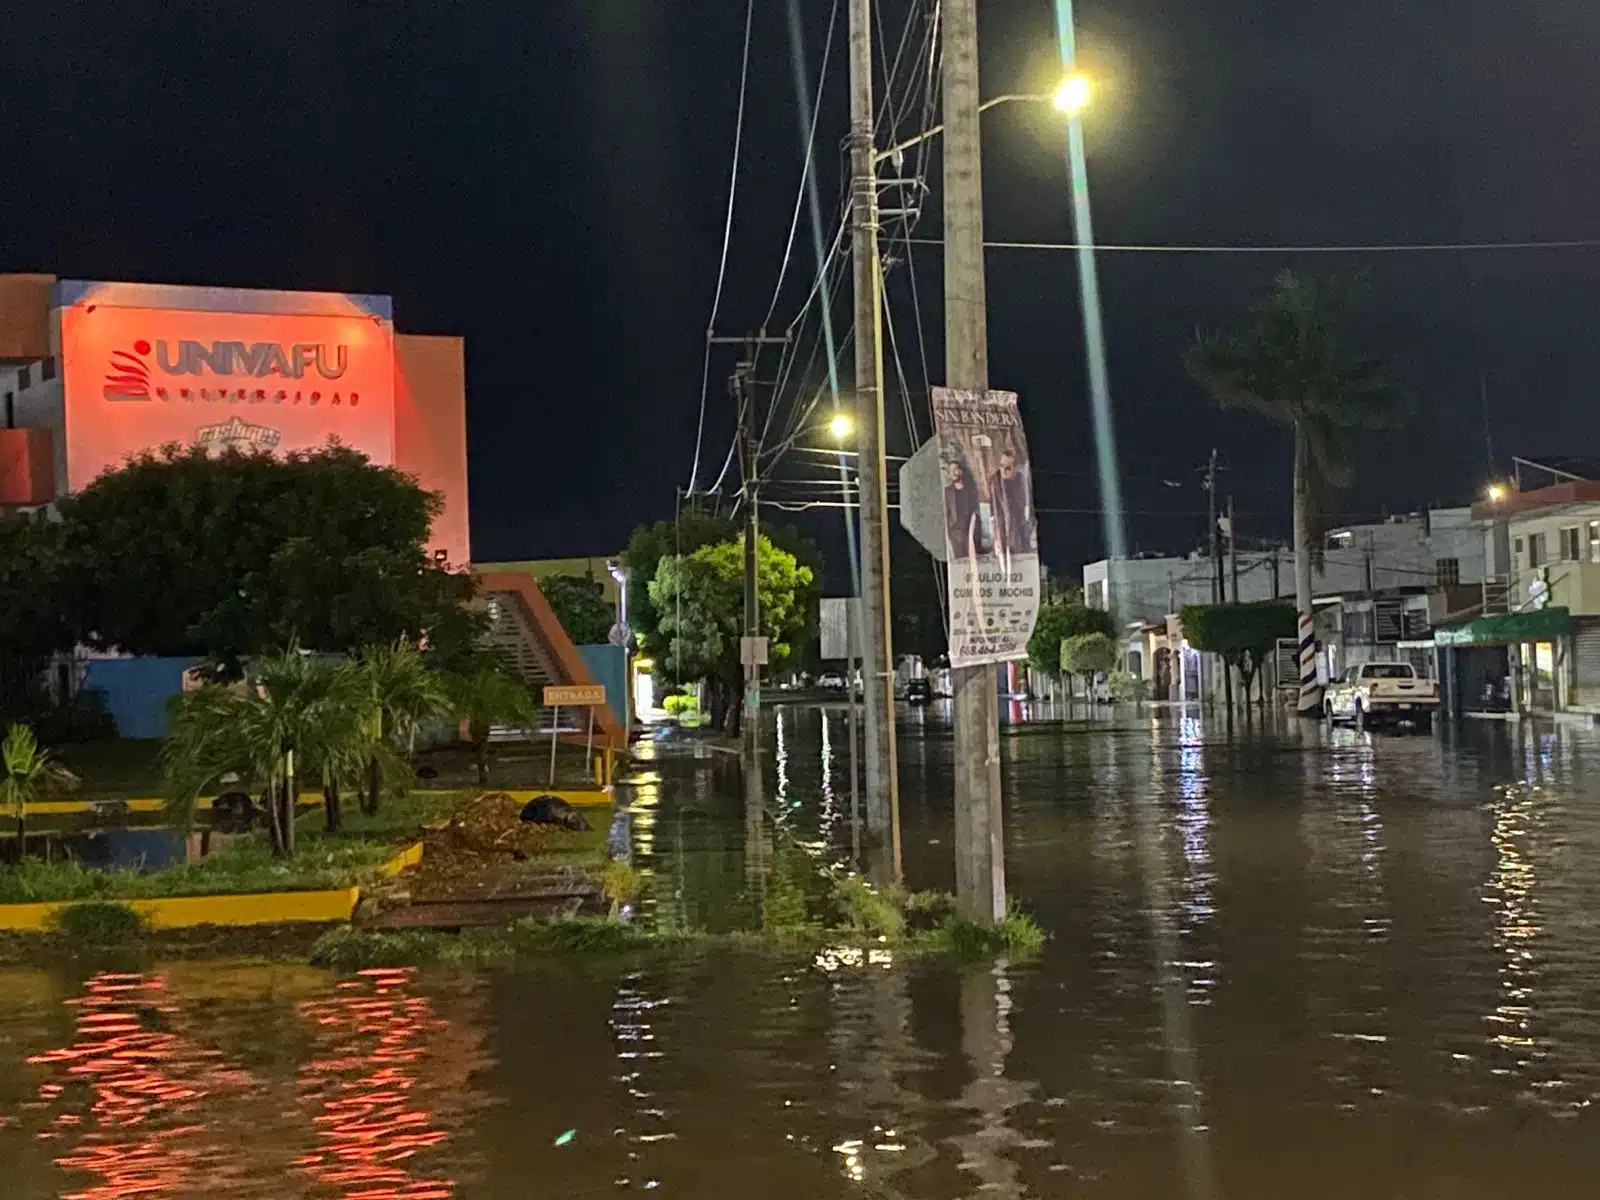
<point x="374" y="787"/>
<point x="332" y="807"/>
<point x="290" y="802"/>
<point x="480" y="748"/>
<point x="269" y="805"/>
<point x="1310" y="698"/>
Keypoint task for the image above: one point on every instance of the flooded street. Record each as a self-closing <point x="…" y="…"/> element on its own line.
<point x="1293" y="962"/>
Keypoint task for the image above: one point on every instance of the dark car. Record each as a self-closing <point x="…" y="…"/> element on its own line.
<point x="919" y="691"/>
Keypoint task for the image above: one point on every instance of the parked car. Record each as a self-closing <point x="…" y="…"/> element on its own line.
<point x="831" y="683"/>
<point x="919" y="691"/>
<point x="1374" y="694"/>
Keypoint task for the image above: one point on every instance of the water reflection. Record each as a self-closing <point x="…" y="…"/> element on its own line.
<point x="1290" y="961"/>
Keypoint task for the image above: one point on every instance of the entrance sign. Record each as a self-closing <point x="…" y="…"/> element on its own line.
<point x="574" y="695"/>
<point x="991" y="537"/>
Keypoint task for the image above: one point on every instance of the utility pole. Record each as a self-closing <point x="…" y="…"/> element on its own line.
<point x="877" y="649"/>
<point x="743" y="385"/>
<point x="1233" y="550"/>
<point x="980" y="848"/>
<point x="1213" y="546"/>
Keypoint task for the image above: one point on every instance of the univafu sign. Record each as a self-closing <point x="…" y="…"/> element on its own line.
<point x="145" y="365"/>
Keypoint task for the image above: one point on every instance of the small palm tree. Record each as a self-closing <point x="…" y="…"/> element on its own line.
<point x="296" y="717"/>
<point x="403" y="693"/>
<point x="1289" y="364"/>
<point x="27" y="774"/>
<point x="485" y="695"/>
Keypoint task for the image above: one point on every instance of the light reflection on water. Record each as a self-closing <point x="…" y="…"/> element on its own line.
<point x="1290" y="962"/>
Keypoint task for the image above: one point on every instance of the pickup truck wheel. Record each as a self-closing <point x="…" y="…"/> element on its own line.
<point x="1362" y="723"/>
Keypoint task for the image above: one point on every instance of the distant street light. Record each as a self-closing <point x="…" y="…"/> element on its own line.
<point x="1074" y="95"/>
<point x="842" y="426"/>
<point x="1497" y="492"/>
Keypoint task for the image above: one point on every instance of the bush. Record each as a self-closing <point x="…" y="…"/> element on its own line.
<point x="867" y="910"/>
<point x="679" y="704"/>
<point x="1124" y="685"/>
<point x="1017" y="937"/>
<point x="99" y="923"/>
<point x="84" y="718"/>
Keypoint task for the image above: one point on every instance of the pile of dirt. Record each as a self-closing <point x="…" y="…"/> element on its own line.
<point x="486" y="849"/>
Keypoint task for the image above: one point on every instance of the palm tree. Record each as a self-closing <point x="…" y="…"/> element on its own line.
<point x="403" y="693"/>
<point x="485" y="695"/>
<point x="295" y="717"/>
<point x="1288" y="364"/>
<point x="28" y="773"/>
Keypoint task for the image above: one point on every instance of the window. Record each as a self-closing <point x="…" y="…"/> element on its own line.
<point x="1536" y="553"/>
<point x="1594" y="541"/>
<point x="1570" y="544"/>
<point x="24" y="378"/>
<point x="1446" y="572"/>
<point x="47" y="369"/>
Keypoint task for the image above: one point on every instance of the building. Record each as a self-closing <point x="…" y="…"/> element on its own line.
<point x="1532" y="645"/>
<point x="1378" y="591"/>
<point x="93" y="372"/>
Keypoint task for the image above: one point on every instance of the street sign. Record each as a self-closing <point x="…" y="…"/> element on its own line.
<point x="574" y="695"/>
<point x="752" y="651"/>
<point x="922" y="498"/>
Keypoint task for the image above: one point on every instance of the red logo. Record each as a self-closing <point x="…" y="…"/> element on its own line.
<point x="129" y="377"/>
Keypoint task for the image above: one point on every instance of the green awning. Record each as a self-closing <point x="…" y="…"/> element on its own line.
<point x="1535" y="625"/>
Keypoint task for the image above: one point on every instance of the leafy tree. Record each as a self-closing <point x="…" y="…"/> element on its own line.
<point x="227" y="557"/>
<point x="581" y="607"/>
<point x="1060" y="621"/>
<point x="649" y="546"/>
<point x="1088" y="655"/>
<point x="296" y="717"/>
<point x="27" y="775"/>
<point x="1245" y="635"/>
<point x="486" y="695"/>
<point x="32" y="627"/>
<point x="1289" y="363"/>
<point x="699" y="605"/>
<point x="402" y="694"/>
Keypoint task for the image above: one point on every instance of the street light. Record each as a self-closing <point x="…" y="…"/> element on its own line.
<point x="841" y="426"/>
<point x="1074" y="94"/>
<point x="1496" y="492"/>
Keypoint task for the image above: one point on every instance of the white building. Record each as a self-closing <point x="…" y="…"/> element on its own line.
<point x="1434" y="548"/>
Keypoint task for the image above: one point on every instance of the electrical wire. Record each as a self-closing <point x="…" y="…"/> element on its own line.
<point x="727" y="238"/>
<point x="1290" y="248"/>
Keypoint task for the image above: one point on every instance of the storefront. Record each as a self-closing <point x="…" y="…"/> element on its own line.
<point x="1522" y="662"/>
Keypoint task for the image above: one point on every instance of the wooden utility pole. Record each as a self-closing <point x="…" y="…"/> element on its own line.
<point x="744" y="390"/>
<point x="980" y="849"/>
<point x="877" y="648"/>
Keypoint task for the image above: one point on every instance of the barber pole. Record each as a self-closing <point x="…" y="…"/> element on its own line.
<point x="1310" y="704"/>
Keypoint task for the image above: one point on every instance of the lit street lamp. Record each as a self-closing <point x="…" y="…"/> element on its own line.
<point x="1074" y="95"/>
<point x="841" y="426"/>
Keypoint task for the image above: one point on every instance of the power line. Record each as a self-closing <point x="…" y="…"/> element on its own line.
<point x="1244" y="248"/>
<point x="727" y="238"/>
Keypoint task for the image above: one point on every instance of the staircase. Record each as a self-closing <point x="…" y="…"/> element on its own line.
<point x="523" y="628"/>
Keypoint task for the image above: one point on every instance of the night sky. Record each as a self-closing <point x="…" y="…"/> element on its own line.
<point x="548" y="179"/>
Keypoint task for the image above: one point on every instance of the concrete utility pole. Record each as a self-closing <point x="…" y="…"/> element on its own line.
<point x="980" y="848"/>
<point x="877" y="648"/>
<point x="1215" y="542"/>
<point x="1233" y="550"/>
<point x="744" y="390"/>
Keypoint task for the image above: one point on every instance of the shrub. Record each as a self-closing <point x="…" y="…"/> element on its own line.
<point x="1016" y="937"/>
<point x="1124" y="685"/>
<point x="99" y="923"/>
<point x="678" y="704"/>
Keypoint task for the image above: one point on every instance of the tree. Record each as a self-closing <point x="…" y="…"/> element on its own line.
<point x="402" y="693"/>
<point x="1059" y="621"/>
<point x="27" y="775"/>
<point x="229" y="557"/>
<point x="1088" y="655"/>
<point x="1243" y="634"/>
<point x="581" y="607"/>
<point x="699" y="611"/>
<point x="486" y="695"/>
<point x="32" y="627"/>
<point x="651" y="545"/>
<point x="296" y="716"/>
<point x="1288" y="363"/>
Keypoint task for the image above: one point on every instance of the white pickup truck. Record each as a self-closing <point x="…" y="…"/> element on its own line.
<point x="1381" y="694"/>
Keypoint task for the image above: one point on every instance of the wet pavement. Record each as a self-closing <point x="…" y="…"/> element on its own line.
<point x="1289" y="962"/>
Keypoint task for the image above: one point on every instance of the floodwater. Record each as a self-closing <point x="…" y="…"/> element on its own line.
<point x="1294" y="963"/>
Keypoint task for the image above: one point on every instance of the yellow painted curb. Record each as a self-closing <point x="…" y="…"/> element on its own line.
<point x="577" y="797"/>
<point x="179" y="912"/>
<point x="409" y="857"/>
<point x="141" y="804"/>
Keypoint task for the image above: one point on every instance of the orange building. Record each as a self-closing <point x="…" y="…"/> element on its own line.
<point x="91" y="373"/>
